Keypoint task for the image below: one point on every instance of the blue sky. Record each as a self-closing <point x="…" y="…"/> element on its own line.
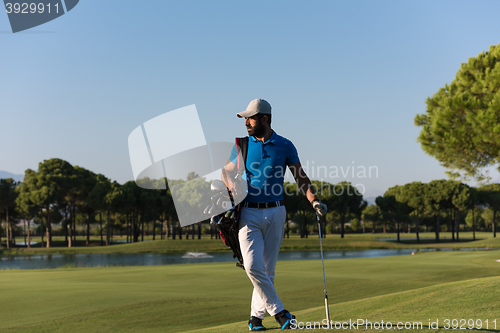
<point x="345" y="78"/>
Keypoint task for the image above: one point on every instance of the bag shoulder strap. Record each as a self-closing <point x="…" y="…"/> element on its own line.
<point x="242" y="150"/>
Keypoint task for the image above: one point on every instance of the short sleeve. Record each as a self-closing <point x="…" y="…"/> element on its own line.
<point x="234" y="155"/>
<point x="292" y="156"/>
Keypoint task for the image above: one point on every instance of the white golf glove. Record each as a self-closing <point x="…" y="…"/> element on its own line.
<point x="320" y="208"/>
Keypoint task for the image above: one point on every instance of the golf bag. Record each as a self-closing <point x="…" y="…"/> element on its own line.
<point x="228" y="226"/>
<point x="228" y="222"/>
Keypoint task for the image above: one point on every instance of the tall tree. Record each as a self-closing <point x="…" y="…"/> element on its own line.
<point x="461" y="198"/>
<point x="372" y="214"/>
<point x="474" y="219"/>
<point x="490" y="195"/>
<point x="71" y="193"/>
<point x="345" y="199"/>
<point x="295" y="202"/>
<point x="88" y="180"/>
<point x="132" y="194"/>
<point x="473" y="205"/>
<point x="487" y="215"/>
<point x="26" y="200"/>
<point x="168" y="208"/>
<point x="413" y="194"/>
<point x="148" y="201"/>
<point x="157" y="206"/>
<point x="385" y="206"/>
<point x="97" y="200"/>
<point x="8" y="195"/>
<point x="437" y="199"/>
<point x="25" y="207"/>
<point x="118" y="202"/>
<point x="394" y="206"/>
<point x="191" y="198"/>
<point x="45" y="187"/>
<point x="461" y="125"/>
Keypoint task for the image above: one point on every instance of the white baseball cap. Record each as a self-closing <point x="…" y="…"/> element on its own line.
<point x="258" y="105"/>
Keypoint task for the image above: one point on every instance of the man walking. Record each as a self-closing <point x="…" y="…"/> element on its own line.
<point x="263" y="214"/>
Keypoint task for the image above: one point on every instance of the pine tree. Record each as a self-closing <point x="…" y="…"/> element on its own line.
<point x="461" y="126"/>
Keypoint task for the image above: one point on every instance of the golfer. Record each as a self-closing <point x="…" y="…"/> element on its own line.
<point x="263" y="214"/>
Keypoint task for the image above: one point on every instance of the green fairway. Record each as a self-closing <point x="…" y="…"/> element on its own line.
<point x="204" y="296"/>
<point x="471" y="305"/>
<point x="294" y="243"/>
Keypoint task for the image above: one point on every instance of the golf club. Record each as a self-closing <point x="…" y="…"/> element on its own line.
<point x="323" y="263"/>
<point x="218" y="186"/>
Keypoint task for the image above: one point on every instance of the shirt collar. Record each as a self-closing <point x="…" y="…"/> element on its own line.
<point x="272" y="139"/>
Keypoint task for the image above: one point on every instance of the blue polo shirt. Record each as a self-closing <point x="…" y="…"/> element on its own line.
<point x="265" y="167"/>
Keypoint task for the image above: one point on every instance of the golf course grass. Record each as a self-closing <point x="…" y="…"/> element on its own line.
<point x="294" y="243"/>
<point x="473" y="303"/>
<point x="216" y="297"/>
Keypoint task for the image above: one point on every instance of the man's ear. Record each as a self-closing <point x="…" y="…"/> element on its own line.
<point x="264" y="120"/>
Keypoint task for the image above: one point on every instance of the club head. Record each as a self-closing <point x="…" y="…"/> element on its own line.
<point x="214" y="220"/>
<point x="218" y="186"/>
<point x="215" y="197"/>
<point x="207" y="209"/>
<point x="227" y="204"/>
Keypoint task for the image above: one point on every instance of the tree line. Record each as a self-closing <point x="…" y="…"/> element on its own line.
<point x="59" y="192"/>
<point x="438" y="200"/>
<point x="437" y="205"/>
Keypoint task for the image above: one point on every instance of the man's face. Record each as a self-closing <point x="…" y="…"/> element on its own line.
<point x="254" y="126"/>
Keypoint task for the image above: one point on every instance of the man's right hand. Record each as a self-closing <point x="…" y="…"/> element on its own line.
<point x="320" y="208"/>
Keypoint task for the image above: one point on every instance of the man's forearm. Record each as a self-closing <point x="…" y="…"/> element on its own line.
<point x="227" y="177"/>
<point x="303" y="182"/>
<point x="233" y="183"/>
<point x="307" y="189"/>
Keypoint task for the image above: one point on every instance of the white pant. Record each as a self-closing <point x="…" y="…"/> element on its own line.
<point x="261" y="233"/>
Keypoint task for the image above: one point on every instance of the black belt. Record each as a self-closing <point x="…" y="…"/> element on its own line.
<point x="261" y="205"/>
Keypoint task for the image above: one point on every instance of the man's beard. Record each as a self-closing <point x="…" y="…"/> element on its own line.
<point x="257" y="131"/>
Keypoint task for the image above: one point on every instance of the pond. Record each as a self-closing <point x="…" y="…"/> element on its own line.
<point x="41" y="261"/>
